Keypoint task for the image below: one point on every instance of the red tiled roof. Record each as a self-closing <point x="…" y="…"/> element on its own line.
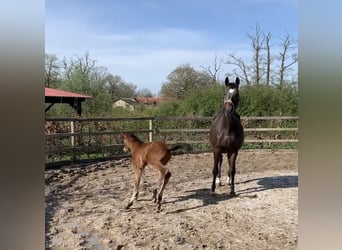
<point x="149" y="100"/>
<point x="61" y="93"/>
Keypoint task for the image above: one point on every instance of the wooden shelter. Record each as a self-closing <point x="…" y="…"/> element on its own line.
<point x="75" y="100"/>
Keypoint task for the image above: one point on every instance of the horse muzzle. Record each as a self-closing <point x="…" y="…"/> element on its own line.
<point x="228" y="106"/>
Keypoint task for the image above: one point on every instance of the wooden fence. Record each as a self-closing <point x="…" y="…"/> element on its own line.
<point x="87" y="139"/>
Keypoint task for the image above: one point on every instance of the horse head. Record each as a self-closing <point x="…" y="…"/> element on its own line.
<point x="231" y="95"/>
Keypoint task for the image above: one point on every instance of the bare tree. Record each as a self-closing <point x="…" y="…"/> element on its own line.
<point x="286" y="61"/>
<point x="214" y="73"/>
<point x="257" y="39"/>
<point x="81" y="66"/>
<point x="264" y="66"/>
<point x="269" y="58"/>
<point x="243" y="68"/>
<point x="255" y="71"/>
<point x="52" y="74"/>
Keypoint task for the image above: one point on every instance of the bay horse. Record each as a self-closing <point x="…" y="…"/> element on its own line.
<point x="155" y="154"/>
<point x="226" y="134"/>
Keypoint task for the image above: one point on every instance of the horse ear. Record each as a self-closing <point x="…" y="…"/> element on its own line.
<point x="226" y="81"/>
<point x="237" y="81"/>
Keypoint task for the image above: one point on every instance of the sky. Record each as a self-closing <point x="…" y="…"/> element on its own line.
<point x="144" y="41"/>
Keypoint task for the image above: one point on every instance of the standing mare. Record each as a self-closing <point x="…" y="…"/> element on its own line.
<point x="156" y="154"/>
<point x="226" y="134"/>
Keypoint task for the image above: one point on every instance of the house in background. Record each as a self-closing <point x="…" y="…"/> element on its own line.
<point x="133" y="103"/>
<point x="125" y="103"/>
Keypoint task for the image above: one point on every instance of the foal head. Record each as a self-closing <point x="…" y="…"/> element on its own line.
<point x="129" y="141"/>
<point x="231" y="95"/>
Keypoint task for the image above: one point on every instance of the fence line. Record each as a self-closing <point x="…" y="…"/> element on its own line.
<point x="73" y="143"/>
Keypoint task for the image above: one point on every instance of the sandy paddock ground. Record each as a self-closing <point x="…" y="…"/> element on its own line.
<point x="85" y="205"/>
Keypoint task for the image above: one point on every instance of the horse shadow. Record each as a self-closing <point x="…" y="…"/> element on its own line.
<point x="209" y="198"/>
<point x="274" y="182"/>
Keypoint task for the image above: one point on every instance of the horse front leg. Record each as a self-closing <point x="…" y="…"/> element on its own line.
<point x="217" y="157"/>
<point x="231" y="171"/>
<point x="219" y="165"/>
<point x="137" y="178"/>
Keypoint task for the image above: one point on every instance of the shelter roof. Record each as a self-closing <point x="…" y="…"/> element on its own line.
<point x="75" y="100"/>
<point x="61" y="93"/>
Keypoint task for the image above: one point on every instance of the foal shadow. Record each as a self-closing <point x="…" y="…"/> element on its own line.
<point x="203" y="194"/>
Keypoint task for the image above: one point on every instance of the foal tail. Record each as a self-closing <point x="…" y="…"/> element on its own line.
<point x="185" y="147"/>
<point x="174" y="148"/>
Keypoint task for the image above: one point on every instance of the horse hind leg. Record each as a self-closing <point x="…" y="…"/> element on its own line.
<point x="161" y="191"/>
<point x="164" y="178"/>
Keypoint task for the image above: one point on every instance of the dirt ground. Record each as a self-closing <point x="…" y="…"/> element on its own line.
<point x="85" y="205"/>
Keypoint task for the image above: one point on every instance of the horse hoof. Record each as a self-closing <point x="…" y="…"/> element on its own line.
<point x="218" y="182"/>
<point x="128" y="205"/>
<point x="154" y="196"/>
<point x="158" y="207"/>
<point x="232" y="194"/>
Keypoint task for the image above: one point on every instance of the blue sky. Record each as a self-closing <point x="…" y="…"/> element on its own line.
<point x="144" y="41"/>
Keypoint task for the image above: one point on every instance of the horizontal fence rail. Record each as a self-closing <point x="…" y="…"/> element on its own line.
<point x="70" y="140"/>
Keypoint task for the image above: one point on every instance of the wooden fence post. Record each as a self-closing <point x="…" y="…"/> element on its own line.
<point x="150" y="127"/>
<point x="72" y="130"/>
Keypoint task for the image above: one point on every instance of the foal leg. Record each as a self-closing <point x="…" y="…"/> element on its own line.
<point x="137" y="178"/>
<point x="217" y="157"/>
<point x="231" y="172"/>
<point x="164" y="177"/>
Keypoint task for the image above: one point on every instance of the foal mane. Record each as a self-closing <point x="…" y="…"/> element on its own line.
<point x="134" y="137"/>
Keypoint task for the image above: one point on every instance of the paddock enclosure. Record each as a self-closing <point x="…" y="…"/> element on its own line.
<point x="76" y="140"/>
<point x="85" y="205"/>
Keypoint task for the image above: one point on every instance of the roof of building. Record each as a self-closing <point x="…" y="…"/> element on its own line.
<point x="61" y="93"/>
<point x="155" y="100"/>
<point x="53" y="96"/>
<point x="130" y="101"/>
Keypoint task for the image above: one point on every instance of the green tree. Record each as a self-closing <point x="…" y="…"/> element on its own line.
<point x="184" y="79"/>
<point x="81" y="75"/>
<point x="204" y="101"/>
<point x="118" y="88"/>
<point x="265" y="100"/>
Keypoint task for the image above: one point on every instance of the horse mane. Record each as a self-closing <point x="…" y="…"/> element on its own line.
<point x="134" y="137"/>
